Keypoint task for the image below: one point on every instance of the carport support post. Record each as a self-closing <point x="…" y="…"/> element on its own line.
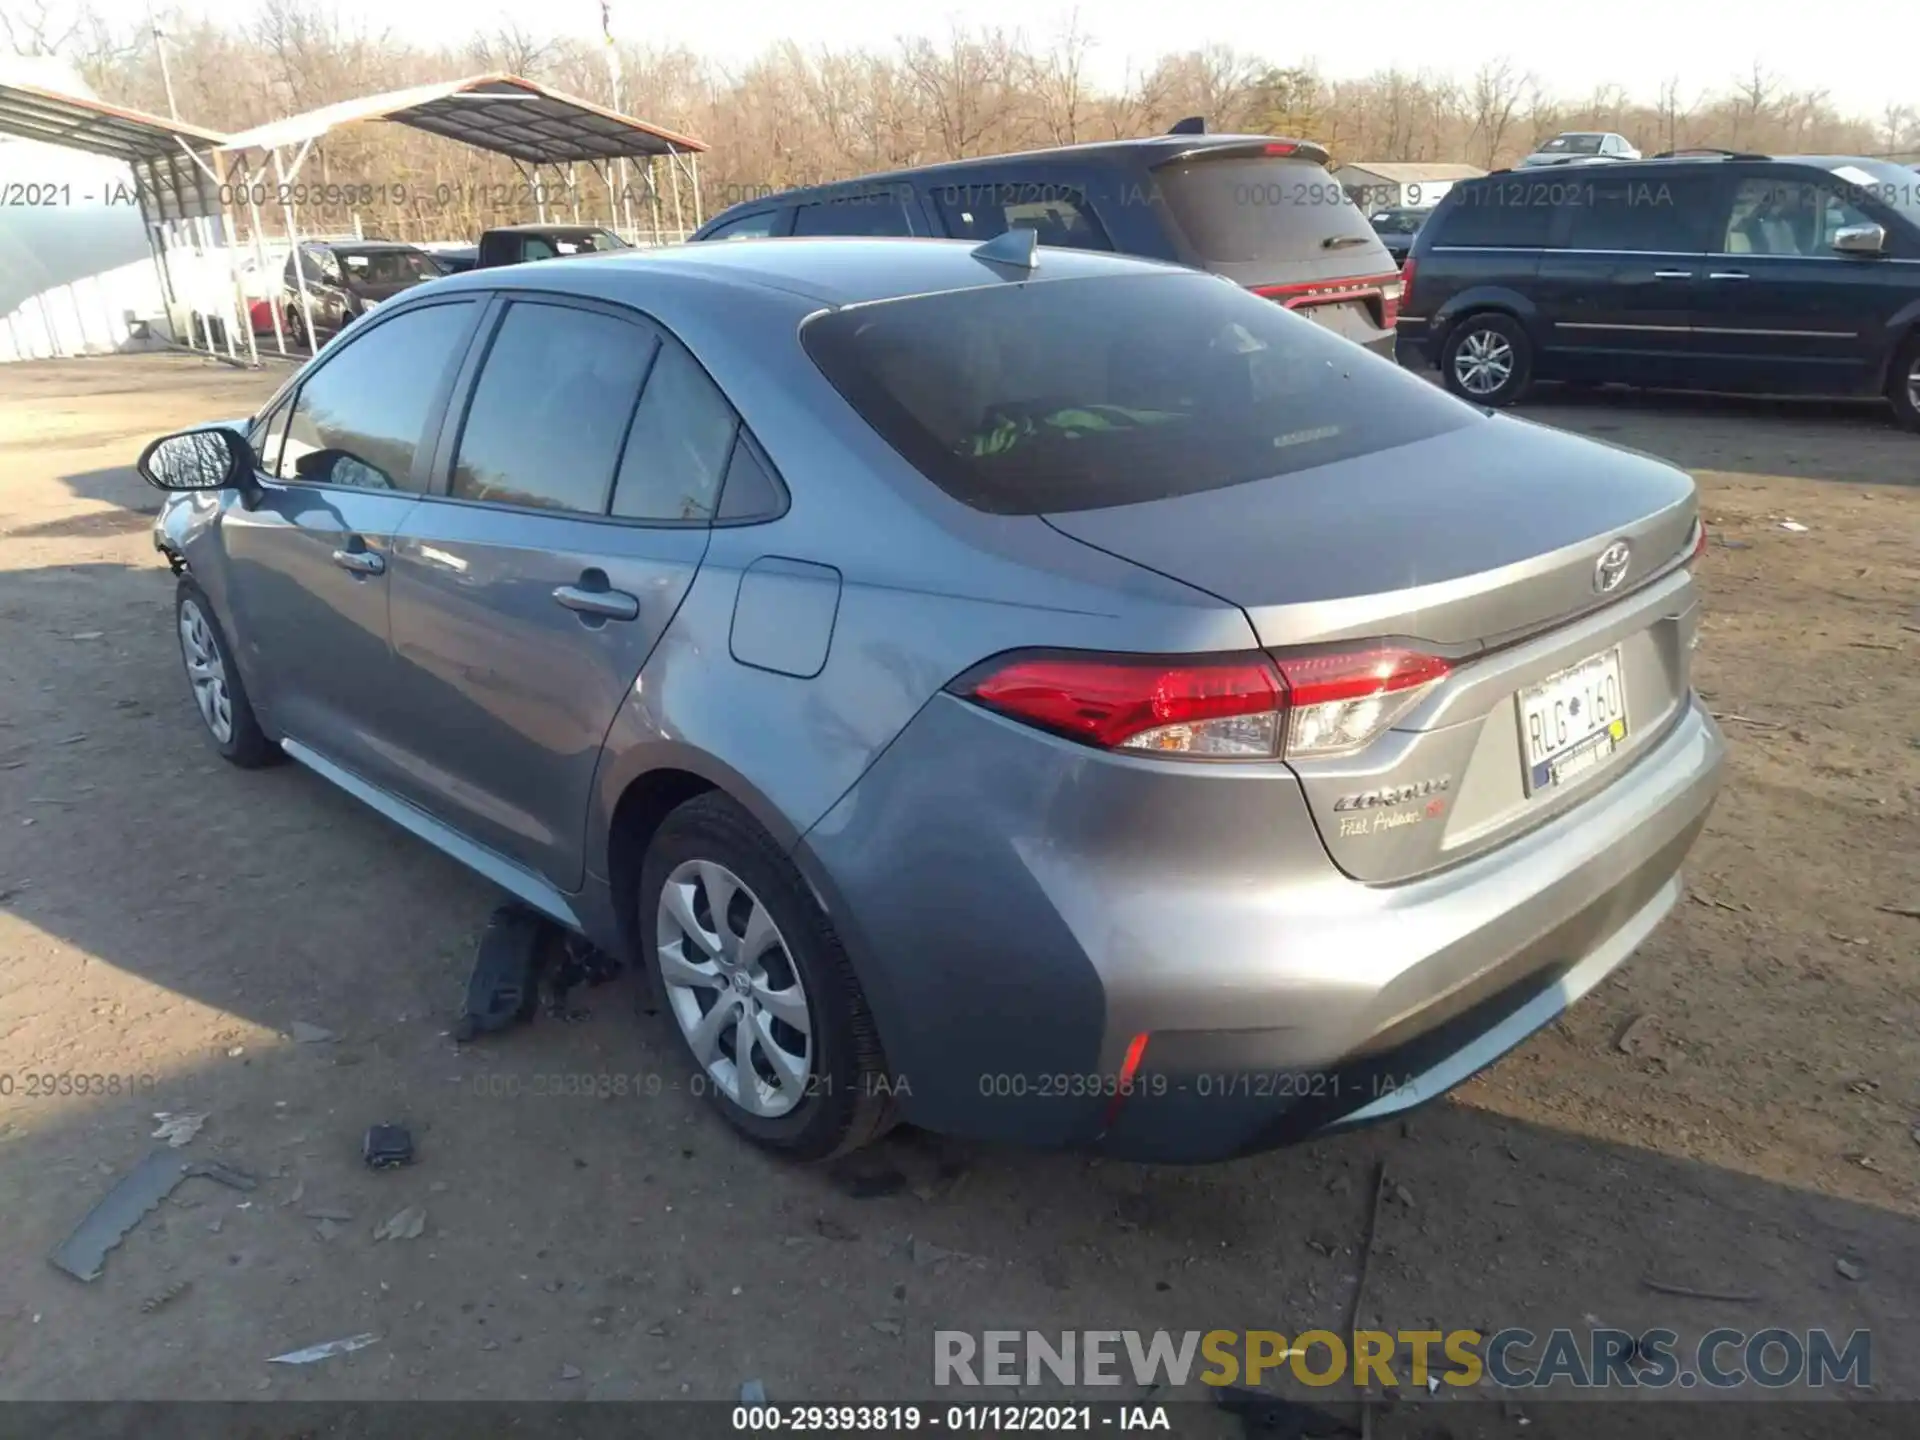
<point x="573" y="190"/>
<point x="673" y="172"/>
<point x="693" y="165"/>
<point x="260" y="254"/>
<point x="293" y="249"/>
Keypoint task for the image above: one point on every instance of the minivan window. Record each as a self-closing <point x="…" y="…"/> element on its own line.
<point x="1041" y="397"/>
<point x="368" y="403"/>
<point x="878" y="213"/>
<point x="546" y="420"/>
<point x="1776" y="216"/>
<point x="1514" y="213"/>
<point x="1664" y="214"/>
<point x="1059" y="214"/>
<point x="1235" y="210"/>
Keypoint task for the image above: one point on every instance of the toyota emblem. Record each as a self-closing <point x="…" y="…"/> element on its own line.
<point x="1611" y="568"/>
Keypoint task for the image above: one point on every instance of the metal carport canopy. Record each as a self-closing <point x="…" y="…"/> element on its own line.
<point x="505" y="114"/>
<point x="154" y="147"/>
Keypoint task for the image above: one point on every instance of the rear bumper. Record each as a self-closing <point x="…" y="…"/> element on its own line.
<point x="1020" y="909"/>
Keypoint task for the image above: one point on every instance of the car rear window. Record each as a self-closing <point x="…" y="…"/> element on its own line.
<point x="1516" y="212"/>
<point x="1022" y="399"/>
<point x="1235" y="210"/>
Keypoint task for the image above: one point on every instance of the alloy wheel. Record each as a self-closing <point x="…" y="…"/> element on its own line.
<point x="206" y="671"/>
<point x="1913" y="383"/>
<point x="734" y="988"/>
<point x="1483" y="363"/>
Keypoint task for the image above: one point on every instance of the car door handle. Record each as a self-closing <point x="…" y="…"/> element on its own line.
<point x="1673" y="274"/>
<point x="1728" y="275"/>
<point x="607" y="604"/>
<point x="360" y="562"/>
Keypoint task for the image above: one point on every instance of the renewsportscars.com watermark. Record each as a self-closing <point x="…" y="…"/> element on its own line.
<point x="1426" y="1360"/>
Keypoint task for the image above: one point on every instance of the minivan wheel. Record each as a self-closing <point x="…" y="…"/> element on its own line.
<point x="1903" y="388"/>
<point x="758" y="986"/>
<point x="1487" y="359"/>
<point x="218" y="692"/>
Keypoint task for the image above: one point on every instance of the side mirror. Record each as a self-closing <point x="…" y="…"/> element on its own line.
<point x="1860" y="239"/>
<point x="211" y="458"/>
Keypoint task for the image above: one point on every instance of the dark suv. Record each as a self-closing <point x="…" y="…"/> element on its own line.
<point x="1262" y="212"/>
<point x="1718" y="271"/>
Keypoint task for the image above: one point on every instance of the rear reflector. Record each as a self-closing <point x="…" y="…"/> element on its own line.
<point x="1406" y="283"/>
<point x="1226" y="708"/>
<point x="1136" y="1051"/>
<point x="1699" y="542"/>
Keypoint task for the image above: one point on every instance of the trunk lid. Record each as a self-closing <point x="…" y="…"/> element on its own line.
<point x="1484" y="545"/>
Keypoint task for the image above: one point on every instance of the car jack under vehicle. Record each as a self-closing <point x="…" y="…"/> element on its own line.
<point x="523" y="964"/>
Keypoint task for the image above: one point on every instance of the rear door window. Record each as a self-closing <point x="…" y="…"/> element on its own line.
<point x="1504" y="213"/>
<point x="1657" y="214"/>
<point x="880" y="212"/>
<point x="547" y="418"/>
<point x="1264" y="209"/>
<point x="1775" y="215"/>
<point x="682" y="438"/>
<point x="1060" y="214"/>
<point x="1045" y="397"/>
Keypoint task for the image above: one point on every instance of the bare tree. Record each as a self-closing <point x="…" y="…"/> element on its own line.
<point x="38" y="29"/>
<point x="1495" y="99"/>
<point x="1060" y="84"/>
<point x="514" y="51"/>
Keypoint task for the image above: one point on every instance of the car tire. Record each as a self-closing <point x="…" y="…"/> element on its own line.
<point x="1487" y="359"/>
<point x="818" y="1087"/>
<point x="1903" y="385"/>
<point x="219" y="695"/>
<point x="296" y="328"/>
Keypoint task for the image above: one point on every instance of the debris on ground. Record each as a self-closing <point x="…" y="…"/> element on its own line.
<point x="327" y="1229"/>
<point x="177" y="1129"/>
<point x="324" y="1351"/>
<point x="165" y="1297"/>
<point x="754" y="1392"/>
<point x="1625" y="1040"/>
<point x="832" y="1229"/>
<point x="328" y="1212"/>
<point x="1911" y="912"/>
<point x="502" y="989"/>
<point x="386" y="1147"/>
<point x="299" y="1189"/>
<point x="1688" y="1292"/>
<point x="1270" y="1417"/>
<point x="1366" y="1252"/>
<point x="925" y="1252"/>
<point x="84" y="1253"/>
<point x="305" y="1034"/>
<point x="1850" y="1269"/>
<point x="407" y="1225"/>
<point x="1795" y="526"/>
<point x="581" y="962"/>
<point x="569" y="1372"/>
<point x="887" y="1327"/>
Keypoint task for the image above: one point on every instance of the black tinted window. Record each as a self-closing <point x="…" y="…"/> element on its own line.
<point x="360" y="417"/>
<point x="1515" y="213"/>
<point x="1265" y="209"/>
<point x="677" y="451"/>
<point x="1773" y="215"/>
<point x="547" y="418"/>
<point x="747" y="227"/>
<point x="751" y="492"/>
<point x="880" y="213"/>
<point x="1059" y="213"/>
<point x="1664" y="213"/>
<point x="1020" y="399"/>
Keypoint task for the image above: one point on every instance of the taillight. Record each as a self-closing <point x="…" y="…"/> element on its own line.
<point x="1406" y="283"/>
<point x="1699" y="542"/>
<point x="1391" y="295"/>
<point x="1282" y="147"/>
<point x="1231" y="708"/>
<point x="1340" y="701"/>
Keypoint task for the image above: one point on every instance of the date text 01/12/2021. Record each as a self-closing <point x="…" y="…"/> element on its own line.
<point x="948" y="1419"/>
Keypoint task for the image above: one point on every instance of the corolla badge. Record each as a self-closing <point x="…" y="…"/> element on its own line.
<point x="1611" y="568"/>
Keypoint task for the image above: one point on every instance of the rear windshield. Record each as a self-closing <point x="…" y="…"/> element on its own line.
<point x="1020" y="399"/>
<point x="1263" y="208"/>
<point x="1571" y="145"/>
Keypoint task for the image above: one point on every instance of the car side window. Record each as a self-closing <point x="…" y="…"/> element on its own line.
<point x="267" y="433"/>
<point x="880" y="212"/>
<point x="678" y="448"/>
<point x="751" y="492"/>
<point x="546" y="420"/>
<point x="747" y="227"/>
<point x="1060" y="213"/>
<point x="1500" y="212"/>
<point x="361" y="417"/>
<point x="1621" y="213"/>
<point x="1776" y="216"/>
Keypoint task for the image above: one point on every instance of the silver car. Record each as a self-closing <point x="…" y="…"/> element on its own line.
<point x="1043" y="696"/>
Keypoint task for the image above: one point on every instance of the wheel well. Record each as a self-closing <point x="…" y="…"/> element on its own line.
<point x="644" y="805"/>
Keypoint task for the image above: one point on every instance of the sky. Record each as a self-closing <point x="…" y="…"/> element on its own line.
<point x="1862" y="54"/>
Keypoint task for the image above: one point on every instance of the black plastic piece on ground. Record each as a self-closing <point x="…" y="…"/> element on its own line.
<point x="386" y="1147"/>
<point x="502" y="990"/>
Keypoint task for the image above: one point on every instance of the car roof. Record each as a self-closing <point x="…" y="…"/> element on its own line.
<point x="539" y="229"/>
<point x="830" y="270"/>
<point x="1149" y="150"/>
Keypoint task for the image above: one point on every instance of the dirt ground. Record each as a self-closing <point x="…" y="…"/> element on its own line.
<point x="166" y="919"/>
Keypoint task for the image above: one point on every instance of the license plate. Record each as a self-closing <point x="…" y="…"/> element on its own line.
<point x="1573" y="721"/>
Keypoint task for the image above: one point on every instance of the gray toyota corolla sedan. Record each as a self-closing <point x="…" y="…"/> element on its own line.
<point x="1045" y="696"/>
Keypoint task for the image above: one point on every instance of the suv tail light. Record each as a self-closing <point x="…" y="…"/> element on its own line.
<point x="1237" y="707"/>
<point x="1392" y="295"/>
<point x="1406" y="283"/>
<point x="1699" y="541"/>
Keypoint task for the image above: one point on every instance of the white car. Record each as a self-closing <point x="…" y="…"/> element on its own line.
<point x="1575" y="147"/>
